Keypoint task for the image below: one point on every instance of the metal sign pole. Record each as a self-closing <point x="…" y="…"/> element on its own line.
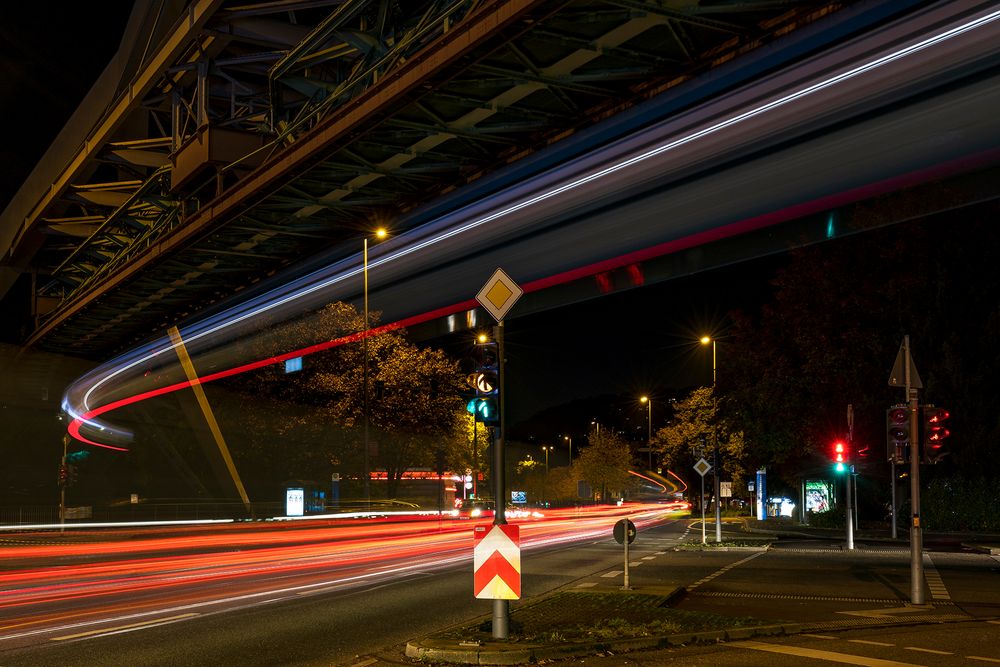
<point x="703" y="540"/>
<point x="626" y="587"/>
<point x="501" y="608"/>
<point x="916" y="535"/>
<point x="850" y="473"/>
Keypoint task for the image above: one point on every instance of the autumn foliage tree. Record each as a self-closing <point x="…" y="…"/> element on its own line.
<point x="415" y="415"/>
<point x="604" y="463"/>
<point x="697" y="427"/>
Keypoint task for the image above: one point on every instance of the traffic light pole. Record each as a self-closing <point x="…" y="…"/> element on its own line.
<point x="850" y="473"/>
<point x="501" y="608"/>
<point x="62" y="488"/>
<point x="916" y="530"/>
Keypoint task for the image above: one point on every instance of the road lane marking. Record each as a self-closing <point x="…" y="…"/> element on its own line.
<point x="648" y="557"/>
<point x="865" y="641"/>
<point x="131" y="626"/>
<point x="635" y="563"/>
<point x="884" y="613"/>
<point x="723" y="570"/>
<point x="369" y="661"/>
<point x="806" y="634"/>
<point x="934" y="582"/>
<point x="979" y="657"/>
<point x="586" y="584"/>
<point x="831" y="656"/>
<point x="614" y="573"/>
<point x="927" y="650"/>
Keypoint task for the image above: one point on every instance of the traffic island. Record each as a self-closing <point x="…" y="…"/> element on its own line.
<point x="577" y="623"/>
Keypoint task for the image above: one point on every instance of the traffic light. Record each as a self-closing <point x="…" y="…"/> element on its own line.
<point x="935" y="433"/>
<point x="487" y="411"/>
<point x="897" y="433"/>
<point x="485" y="380"/>
<point x="63" y="475"/>
<point x="840" y="457"/>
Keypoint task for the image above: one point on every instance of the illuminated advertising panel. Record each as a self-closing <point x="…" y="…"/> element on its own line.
<point x="295" y="502"/>
<point x="819" y="497"/>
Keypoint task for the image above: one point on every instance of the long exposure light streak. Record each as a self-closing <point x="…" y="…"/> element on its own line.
<point x="85" y="414"/>
<point x="71" y="588"/>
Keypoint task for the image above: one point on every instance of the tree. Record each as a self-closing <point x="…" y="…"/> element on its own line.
<point x="696" y="428"/>
<point x="604" y="463"/>
<point x="830" y="332"/>
<point x="415" y="414"/>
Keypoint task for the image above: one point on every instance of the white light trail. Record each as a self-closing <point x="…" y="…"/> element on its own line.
<point x="670" y="145"/>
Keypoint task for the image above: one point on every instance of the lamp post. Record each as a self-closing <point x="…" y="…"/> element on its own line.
<point x="649" y="427"/>
<point x="570" y="441"/>
<point x="380" y="234"/>
<point x="545" y="480"/>
<point x="705" y="340"/>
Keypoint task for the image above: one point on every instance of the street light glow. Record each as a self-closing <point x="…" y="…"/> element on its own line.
<point x="644" y="399"/>
<point x="705" y="340"/>
<point x="380" y="233"/>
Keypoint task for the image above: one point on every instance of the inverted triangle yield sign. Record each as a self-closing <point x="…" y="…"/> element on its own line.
<point x="497" y="562"/>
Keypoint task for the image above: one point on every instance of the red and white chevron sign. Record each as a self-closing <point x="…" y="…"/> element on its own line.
<point x="497" y="562"/>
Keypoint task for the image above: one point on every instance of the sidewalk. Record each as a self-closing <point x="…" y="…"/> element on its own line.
<point x="595" y="616"/>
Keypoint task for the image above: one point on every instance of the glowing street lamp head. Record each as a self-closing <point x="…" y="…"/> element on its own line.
<point x="482" y="338"/>
<point x="380" y="233"/>
<point x="644" y="399"/>
<point x="705" y="340"/>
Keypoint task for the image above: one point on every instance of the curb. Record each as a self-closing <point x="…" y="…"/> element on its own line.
<point x="982" y="548"/>
<point x="508" y="654"/>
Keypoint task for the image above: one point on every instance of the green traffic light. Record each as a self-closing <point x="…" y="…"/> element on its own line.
<point x="840" y="467"/>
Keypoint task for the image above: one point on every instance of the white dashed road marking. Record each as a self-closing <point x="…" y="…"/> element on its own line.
<point x="722" y="571"/>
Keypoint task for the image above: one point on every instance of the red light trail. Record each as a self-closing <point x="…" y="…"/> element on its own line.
<point x="113" y="579"/>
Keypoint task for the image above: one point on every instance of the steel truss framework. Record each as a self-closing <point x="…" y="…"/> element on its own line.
<point x="264" y="132"/>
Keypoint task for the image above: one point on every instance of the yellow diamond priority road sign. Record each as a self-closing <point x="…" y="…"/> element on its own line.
<point x="499" y="294"/>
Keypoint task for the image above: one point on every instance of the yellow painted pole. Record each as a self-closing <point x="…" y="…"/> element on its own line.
<point x="206" y="410"/>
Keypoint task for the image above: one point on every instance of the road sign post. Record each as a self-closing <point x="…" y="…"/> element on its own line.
<point x="497" y="562"/>
<point x="624" y="533"/>
<point x="904" y="374"/>
<point x="702" y="467"/>
<point x="498" y="296"/>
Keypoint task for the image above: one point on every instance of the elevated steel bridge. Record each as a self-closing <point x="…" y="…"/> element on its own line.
<point x="232" y="140"/>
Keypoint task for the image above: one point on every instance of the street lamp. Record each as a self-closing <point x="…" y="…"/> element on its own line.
<point x="570" y="441"/>
<point x="705" y="340"/>
<point x="547" y="449"/>
<point x="649" y="427"/>
<point x="379" y="234"/>
<point x="545" y="480"/>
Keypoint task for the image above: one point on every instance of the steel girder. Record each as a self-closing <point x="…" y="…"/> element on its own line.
<point x="342" y="114"/>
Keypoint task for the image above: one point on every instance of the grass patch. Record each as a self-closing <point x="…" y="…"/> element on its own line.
<point x="572" y="616"/>
<point x="737" y="542"/>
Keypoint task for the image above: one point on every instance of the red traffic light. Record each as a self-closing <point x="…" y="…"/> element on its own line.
<point x="935" y="434"/>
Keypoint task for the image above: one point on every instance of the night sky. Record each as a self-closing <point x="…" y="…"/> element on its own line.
<point x="50" y="55"/>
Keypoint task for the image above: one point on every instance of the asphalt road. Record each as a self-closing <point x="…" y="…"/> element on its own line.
<point x="853" y="606"/>
<point x="259" y="606"/>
